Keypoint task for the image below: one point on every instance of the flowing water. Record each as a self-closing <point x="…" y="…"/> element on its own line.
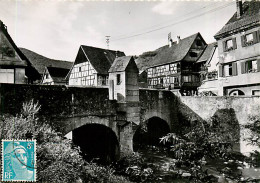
<point x="161" y="160"/>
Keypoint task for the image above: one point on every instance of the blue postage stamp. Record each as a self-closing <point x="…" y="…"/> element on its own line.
<point x="19" y="160"/>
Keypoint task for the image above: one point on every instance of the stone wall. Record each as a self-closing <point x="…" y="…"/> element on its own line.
<point x="57" y="101"/>
<point x="243" y="108"/>
<point x="162" y="104"/>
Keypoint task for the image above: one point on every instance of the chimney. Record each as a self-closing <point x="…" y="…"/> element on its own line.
<point x="170" y="43"/>
<point x="178" y="39"/>
<point x="239" y="8"/>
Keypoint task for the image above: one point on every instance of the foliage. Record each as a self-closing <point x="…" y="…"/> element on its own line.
<point x="58" y="160"/>
<point x="202" y="142"/>
<point x="254" y="139"/>
<point x="134" y="167"/>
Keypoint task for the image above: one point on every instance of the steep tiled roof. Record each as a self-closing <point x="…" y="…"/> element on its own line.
<point x="39" y="62"/>
<point x="175" y="53"/>
<point x="30" y="71"/>
<point x="58" y="74"/>
<point x="207" y="53"/>
<point x="250" y="16"/>
<point x="101" y="59"/>
<point x="120" y="64"/>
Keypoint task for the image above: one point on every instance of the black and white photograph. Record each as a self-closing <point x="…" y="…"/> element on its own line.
<point x="120" y="91"/>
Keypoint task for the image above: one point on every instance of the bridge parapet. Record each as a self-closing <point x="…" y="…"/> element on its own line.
<point x="57" y="101"/>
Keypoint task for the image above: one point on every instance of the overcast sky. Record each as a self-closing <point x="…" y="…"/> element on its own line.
<point x="56" y="29"/>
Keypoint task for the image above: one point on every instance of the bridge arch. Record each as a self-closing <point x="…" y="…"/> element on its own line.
<point x="156" y="128"/>
<point x="97" y="141"/>
<point x="72" y="123"/>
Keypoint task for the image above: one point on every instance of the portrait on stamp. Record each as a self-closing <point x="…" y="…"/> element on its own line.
<point x="18" y="160"/>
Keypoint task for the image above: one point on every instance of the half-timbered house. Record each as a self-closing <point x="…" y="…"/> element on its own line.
<point x="91" y="66"/>
<point x="174" y="66"/>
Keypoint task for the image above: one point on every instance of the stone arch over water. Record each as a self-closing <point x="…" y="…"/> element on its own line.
<point x="97" y="141"/>
<point x="156" y="128"/>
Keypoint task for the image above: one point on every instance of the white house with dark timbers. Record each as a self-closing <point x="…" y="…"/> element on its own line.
<point x="91" y="66"/>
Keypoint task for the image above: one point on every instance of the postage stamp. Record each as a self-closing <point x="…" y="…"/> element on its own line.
<point x="19" y="160"/>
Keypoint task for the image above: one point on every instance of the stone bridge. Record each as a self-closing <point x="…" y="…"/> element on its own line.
<point x="88" y="113"/>
<point x="106" y="127"/>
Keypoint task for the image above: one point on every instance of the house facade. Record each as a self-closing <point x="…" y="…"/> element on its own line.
<point x="55" y="76"/>
<point x="208" y="63"/>
<point x="174" y="66"/>
<point x="123" y="77"/>
<point x="239" y="51"/>
<point x="14" y="66"/>
<point x="91" y="66"/>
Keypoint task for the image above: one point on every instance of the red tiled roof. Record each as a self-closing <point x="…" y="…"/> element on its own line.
<point x="250" y="16"/>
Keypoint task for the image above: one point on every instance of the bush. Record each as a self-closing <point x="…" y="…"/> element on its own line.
<point x="194" y="148"/>
<point x="58" y="160"/>
<point x="134" y="167"/>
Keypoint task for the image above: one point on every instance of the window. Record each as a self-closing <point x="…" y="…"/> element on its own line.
<point x="229" y="44"/>
<point x="228" y="70"/>
<point x="187" y="78"/>
<point x="118" y="79"/>
<point x="256" y="92"/>
<point x="173" y="68"/>
<point x="250" y="66"/>
<point x="250" y="39"/>
<point x="149" y="74"/>
<point x="193" y="54"/>
<point x="198" y="43"/>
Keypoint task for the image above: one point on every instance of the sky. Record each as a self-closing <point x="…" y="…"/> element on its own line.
<point x="56" y="28"/>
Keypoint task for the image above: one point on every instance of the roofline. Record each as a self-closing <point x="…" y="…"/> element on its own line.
<point x="212" y="53"/>
<point x="102" y="48"/>
<point x="229" y="33"/>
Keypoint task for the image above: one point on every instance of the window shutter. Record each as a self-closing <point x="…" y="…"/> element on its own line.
<point x="220" y="70"/>
<point x="258" y="65"/>
<point x="234" y="43"/>
<point x="224" y="45"/>
<point x="243" y="41"/>
<point x="234" y="69"/>
<point x="258" y="35"/>
<point x="246" y="67"/>
<point x="255" y="38"/>
<point x="243" y="69"/>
